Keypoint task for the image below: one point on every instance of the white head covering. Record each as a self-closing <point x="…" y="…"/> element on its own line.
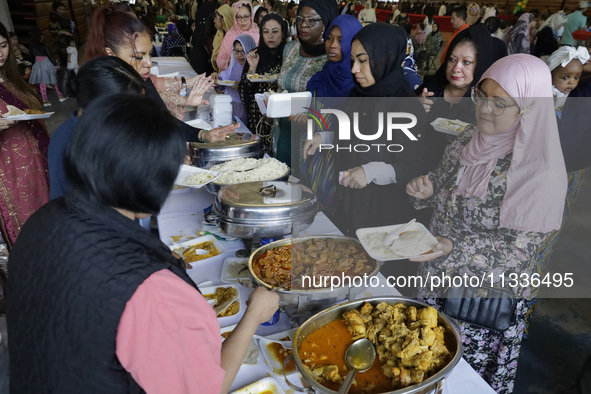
<point x="564" y="55"/>
<point x="583" y="4"/>
<point x="554" y="21"/>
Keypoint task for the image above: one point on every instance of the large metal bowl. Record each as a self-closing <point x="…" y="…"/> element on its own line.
<point x="307" y="299"/>
<point x="235" y="146"/>
<point x="453" y="341"/>
<point x="214" y="188"/>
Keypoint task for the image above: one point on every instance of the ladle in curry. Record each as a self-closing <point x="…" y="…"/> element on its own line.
<point x="359" y="357"/>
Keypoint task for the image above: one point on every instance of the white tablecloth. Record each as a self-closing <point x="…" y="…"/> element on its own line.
<point x="181" y="217"/>
<point x="169" y="65"/>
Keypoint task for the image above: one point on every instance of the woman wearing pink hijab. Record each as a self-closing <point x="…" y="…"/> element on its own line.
<point x="497" y="195"/>
<point x="243" y="24"/>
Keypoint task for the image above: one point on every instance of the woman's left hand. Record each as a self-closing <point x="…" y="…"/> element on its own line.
<point x="445" y="245"/>
<point x="200" y="87"/>
<point x="356" y="178"/>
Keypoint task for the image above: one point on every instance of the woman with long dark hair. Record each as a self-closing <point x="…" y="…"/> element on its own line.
<point x="24" y="184"/>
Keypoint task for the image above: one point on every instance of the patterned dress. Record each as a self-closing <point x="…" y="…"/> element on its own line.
<point x="481" y="247"/>
<point x="296" y="71"/>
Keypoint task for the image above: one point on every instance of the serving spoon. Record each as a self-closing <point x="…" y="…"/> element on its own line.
<point x="393" y="236"/>
<point x="360" y="356"/>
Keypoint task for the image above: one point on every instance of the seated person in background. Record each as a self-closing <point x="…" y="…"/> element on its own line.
<point x="116" y="312"/>
<point x="566" y="66"/>
<point x="173" y="43"/>
<point x="431" y="48"/>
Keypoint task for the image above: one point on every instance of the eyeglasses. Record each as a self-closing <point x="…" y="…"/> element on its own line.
<point x="310" y="22"/>
<point x="238" y="52"/>
<point x="495" y="106"/>
<point x="243" y="17"/>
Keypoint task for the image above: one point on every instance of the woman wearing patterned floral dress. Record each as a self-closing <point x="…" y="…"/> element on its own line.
<point x="497" y="195"/>
<point x="24" y="185"/>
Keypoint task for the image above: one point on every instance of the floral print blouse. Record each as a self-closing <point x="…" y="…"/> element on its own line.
<point x="480" y="246"/>
<point x="296" y="70"/>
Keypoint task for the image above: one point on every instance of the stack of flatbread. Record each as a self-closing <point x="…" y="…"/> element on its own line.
<point x="13" y="111"/>
<point x="413" y="243"/>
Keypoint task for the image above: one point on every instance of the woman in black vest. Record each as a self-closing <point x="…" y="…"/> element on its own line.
<point x="98" y="304"/>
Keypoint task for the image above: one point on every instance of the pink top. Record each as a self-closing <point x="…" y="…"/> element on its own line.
<point x="169" y="338"/>
<point x="227" y="46"/>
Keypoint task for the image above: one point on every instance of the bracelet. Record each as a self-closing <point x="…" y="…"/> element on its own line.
<point x="200" y="136"/>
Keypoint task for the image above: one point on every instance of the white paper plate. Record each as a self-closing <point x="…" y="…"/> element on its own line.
<point x="211" y="290"/>
<point x="275" y="365"/>
<point x="381" y="256"/>
<point x="187" y="171"/>
<point x="29" y="116"/>
<point x="252" y="354"/>
<point x="460" y="126"/>
<point x="227" y="83"/>
<point x="261" y="386"/>
<point x="195" y="241"/>
<point x="251" y="78"/>
<point x="199" y="124"/>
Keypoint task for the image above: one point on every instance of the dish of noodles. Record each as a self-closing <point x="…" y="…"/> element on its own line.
<point x="410" y="347"/>
<point x="316" y="258"/>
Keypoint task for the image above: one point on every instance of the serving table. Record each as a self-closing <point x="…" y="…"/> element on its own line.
<point x="180" y="219"/>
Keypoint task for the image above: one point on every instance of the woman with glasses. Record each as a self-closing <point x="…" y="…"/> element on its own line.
<point x="243" y="24"/>
<point x="223" y="21"/>
<point x="302" y="59"/>
<point x="242" y="45"/>
<point x="446" y="95"/>
<point x="497" y="195"/>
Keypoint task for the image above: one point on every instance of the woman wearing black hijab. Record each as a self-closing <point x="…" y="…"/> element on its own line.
<point x="266" y="58"/>
<point x="373" y="190"/>
<point x="470" y="54"/>
<point x="302" y="59"/>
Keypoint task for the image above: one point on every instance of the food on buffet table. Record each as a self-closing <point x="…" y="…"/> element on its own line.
<point x="249" y="170"/>
<point x="189" y="254"/>
<point x="34" y="112"/>
<point x="221" y="295"/>
<point x="409" y="343"/>
<point x="199" y="178"/>
<point x="279" y="353"/>
<point x="265" y="76"/>
<point x="320" y="258"/>
<point x="13" y="111"/>
<point x="409" y="244"/>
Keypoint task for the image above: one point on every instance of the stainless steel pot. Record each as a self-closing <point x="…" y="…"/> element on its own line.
<point x="235" y="146"/>
<point x="434" y="384"/>
<point x="247" y="210"/>
<point x="214" y="188"/>
<point x="303" y="300"/>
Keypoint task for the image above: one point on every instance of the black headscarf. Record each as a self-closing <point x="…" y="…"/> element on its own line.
<point x="328" y="11"/>
<point x="490" y="49"/>
<point x="270" y="58"/>
<point x="386" y="46"/>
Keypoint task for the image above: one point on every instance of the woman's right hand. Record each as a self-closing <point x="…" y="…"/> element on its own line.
<point x="427" y="103"/>
<point x="311" y="146"/>
<point x="253" y="61"/>
<point x="262" y="304"/>
<point x="420" y="187"/>
<point x="5" y="123"/>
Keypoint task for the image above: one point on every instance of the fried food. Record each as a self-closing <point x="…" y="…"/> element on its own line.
<point x="221" y="295"/>
<point x="319" y="258"/>
<point x="190" y="255"/>
<point x="34" y="112"/>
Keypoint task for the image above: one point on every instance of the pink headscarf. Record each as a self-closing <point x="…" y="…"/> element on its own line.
<point x="231" y="35"/>
<point x="537" y="179"/>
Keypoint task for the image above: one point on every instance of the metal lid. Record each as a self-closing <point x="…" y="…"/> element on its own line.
<point x="266" y="201"/>
<point x="235" y="145"/>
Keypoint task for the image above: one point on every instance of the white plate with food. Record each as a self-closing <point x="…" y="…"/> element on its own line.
<point x="227" y="83"/>
<point x="195" y="177"/>
<point x="234" y="269"/>
<point x="221" y="294"/>
<point x="252" y="353"/>
<point x="448" y="126"/>
<point x="414" y="241"/>
<point x="267" y="385"/>
<point x="198" y="249"/>
<point x="275" y="354"/>
<point x="262" y="78"/>
<point x="16" y="114"/>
